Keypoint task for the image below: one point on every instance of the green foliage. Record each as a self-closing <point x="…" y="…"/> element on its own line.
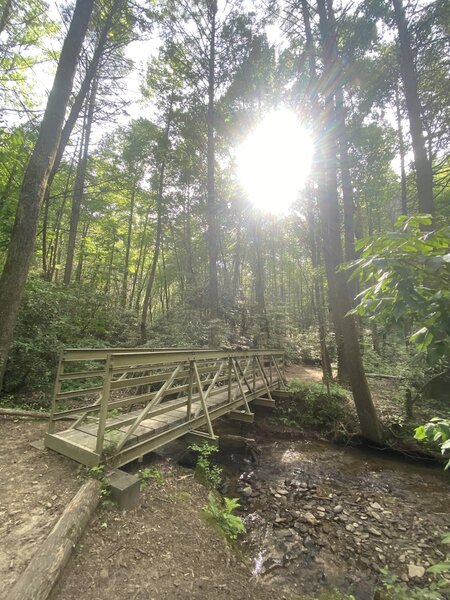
<point x="393" y="589"/>
<point x="436" y="431"/>
<point x="53" y="316"/>
<point x="221" y="513"/>
<point x="209" y="474"/>
<point x="151" y="474"/>
<point x="105" y="492"/>
<point x="406" y="275"/>
<point x="111" y="441"/>
<point x="312" y="406"/>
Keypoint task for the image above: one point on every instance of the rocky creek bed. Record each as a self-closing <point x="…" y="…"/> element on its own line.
<point x="320" y="516"/>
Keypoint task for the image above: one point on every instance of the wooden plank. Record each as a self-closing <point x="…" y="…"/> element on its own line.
<point x="80" y="438"/>
<point x="81" y="375"/>
<point x="264" y="402"/>
<point x="200" y="437"/>
<point x="238" y="415"/>
<point x="175" y="356"/>
<point x="66" y="448"/>
<point x="79" y="393"/>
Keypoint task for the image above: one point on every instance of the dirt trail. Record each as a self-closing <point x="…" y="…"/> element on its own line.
<point x="163" y="549"/>
<point x="35" y="487"/>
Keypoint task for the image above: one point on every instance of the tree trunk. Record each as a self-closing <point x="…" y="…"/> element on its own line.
<point x="401" y="143"/>
<point x="329" y="212"/>
<point x="78" y="192"/>
<point x="212" y="234"/>
<point x="126" y="266"/>
<point x="159" y="200"/>
<point x="5" y="14"/>
<point x="78" y="102"/>
<point x="79" y="271"/>
<point x="422" y="161"/>
<point x="20" y="251"/>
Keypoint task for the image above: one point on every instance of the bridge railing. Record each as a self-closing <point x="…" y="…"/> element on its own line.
<point x="122" y="388"/>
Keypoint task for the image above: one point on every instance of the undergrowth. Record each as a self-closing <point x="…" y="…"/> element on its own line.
<point x="313" y="405"/>
<point x="221" y="513"/>
<point x="205" y="472"/>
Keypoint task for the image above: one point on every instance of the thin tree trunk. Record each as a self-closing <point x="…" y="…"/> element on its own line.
<point x="79" y="270"/>
<point x="139" y="262"/>
<point x="422" y="161"/>
<point x="212" y="234"/>
<point x="159" y="225"/>
<point x="401" y="142"/>
<point x="126" y="266"/>
<point x="78" y="102"/>
<point x="5" y="14"/>
<point x="20" y="251"/>
<point x="259" y="280"/>
<point x="80" y="179"/>
<point x="57" y="227"/>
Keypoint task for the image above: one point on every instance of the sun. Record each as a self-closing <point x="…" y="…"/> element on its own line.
<point x="274" y="161"/>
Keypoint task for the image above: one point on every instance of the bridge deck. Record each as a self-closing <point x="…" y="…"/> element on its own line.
<point x="152" y="419"/>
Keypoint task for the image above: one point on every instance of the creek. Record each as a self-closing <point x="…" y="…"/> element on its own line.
<point x="320" y="516"/>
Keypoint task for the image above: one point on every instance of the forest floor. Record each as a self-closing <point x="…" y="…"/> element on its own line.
<point x="166" y="549"/>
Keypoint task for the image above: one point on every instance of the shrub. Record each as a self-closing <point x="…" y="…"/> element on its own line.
<point x="207" y="473"/>
<point x="222" y="515"/>
<point x="150" y="474"/>
<point x="312" y="405"/>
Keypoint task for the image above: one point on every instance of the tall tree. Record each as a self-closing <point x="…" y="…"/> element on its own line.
<point x="330" y="217"/>
<point x="422" y="161"/>
<point x="20" y="251"/>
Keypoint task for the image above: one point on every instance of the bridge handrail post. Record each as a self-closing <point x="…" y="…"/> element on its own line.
<point x="254" y="372"/>
<point x="230" y="367"/>
<point x="190" y="389"/>
<point x="56" y="391"/>
<point x="104" y="405"/>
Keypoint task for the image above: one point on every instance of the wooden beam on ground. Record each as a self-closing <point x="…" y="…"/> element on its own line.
<point x="41" y="574"/>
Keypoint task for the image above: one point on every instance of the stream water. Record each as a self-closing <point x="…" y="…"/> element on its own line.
<point x="319" y="516"/>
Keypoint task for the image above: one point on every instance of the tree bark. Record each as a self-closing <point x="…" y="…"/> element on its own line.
<point x="80" y="97"/>
<point x="422" y="161"/>
<point x="126" y="266"/>
<point x="5" y="14"/>
<point x="329" y="213"/>
<point x="78" y="192"/>
<point x="401" y="143"/>
<point x="20" y="251"/>
<point x="159" y="200"/>
<point x="212" y="233"/>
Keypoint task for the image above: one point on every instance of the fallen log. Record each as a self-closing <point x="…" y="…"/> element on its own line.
<point x="41" y="574"/>
<point x="384" y="376"/>
<point x="31" y="414"/>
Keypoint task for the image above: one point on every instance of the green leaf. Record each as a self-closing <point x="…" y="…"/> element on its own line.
<point x="439" y="568"/>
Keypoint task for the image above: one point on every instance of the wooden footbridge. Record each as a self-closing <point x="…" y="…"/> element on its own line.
<point x="124" y="403"/>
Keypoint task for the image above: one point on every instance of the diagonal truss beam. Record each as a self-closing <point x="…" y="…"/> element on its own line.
<point x="210" y="387"/>
<point x="203" y="398"/>
<point x="156" y="399"/>
<point x="241" y="389"/>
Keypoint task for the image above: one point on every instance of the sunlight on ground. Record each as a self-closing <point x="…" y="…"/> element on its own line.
<point x="274" y="161"/>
